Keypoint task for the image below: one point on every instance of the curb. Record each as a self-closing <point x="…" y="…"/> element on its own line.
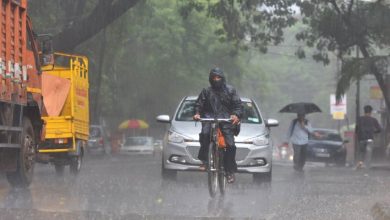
<point x="381" y="211"/>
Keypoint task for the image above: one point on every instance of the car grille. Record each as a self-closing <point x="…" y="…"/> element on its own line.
<point x="241" y="153"/>
<point x="326" y="147"/>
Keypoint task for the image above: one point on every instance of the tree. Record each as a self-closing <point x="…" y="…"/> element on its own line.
<point x="153" y="54"/>
<point x="78" y="28"/>
<point x="260" y="22"/>
<point x="343" y="26"/>
<point x="336" y="26"/>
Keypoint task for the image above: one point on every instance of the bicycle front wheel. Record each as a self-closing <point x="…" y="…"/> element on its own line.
<point x="221" y="172"/>
<point x="212" y="170"/>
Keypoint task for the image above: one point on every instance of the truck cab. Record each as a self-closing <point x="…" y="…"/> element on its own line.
<point x="65" y="89"/>
<point x="20" y="93"/>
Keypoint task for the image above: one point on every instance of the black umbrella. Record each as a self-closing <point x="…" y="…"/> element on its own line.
<point x="301" y="107"/>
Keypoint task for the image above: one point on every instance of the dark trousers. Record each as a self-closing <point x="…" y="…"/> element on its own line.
<point x="365" y="149"/>
<point x="299" y="156"/>
<point x="362" y="149"/>
<point x="230" y="164"/>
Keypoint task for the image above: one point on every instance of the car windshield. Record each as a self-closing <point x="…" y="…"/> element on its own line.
<point x="137" y="141"/>
<point x="94" y="132"/>
<point x="326" y="136"/>
<point x="250" y="112"/>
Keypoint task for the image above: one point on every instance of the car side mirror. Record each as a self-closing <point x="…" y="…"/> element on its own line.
<point x="163" y="119"/>
<point x="271" y="122"/>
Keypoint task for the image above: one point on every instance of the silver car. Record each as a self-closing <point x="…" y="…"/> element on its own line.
<point x="98" y="139"/>
<point x="138" y="145"/>
<point x="181" y="141"/>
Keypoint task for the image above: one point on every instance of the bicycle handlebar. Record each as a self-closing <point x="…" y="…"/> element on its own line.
<point x="215" y="119"/>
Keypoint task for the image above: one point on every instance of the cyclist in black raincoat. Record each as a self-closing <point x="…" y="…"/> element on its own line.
<point x="219" y="101"/>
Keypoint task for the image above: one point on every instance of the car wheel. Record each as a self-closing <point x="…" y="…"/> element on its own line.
<point x="167" y="174"/>
<point x="104" y="150"/>
<point x="262" y="177"/>
<point x="341" y="160"/>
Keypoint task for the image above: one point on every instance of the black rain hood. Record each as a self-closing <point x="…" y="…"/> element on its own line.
<point x="217" y="85"/>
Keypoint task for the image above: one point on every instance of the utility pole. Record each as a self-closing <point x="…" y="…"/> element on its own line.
<point x="357" y="97"/>
<point x="357" y="107"/>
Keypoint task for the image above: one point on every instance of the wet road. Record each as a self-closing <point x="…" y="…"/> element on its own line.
<point x="130" y="187"/>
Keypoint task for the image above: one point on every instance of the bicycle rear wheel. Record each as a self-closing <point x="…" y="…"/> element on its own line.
<point x="212" y="170"/>
<point x="221" y="172"/>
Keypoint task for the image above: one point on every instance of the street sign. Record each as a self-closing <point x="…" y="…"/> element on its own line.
<point x="338" y="109"/>
<point x="338" y="115"/>
<point x="376" y="92"/>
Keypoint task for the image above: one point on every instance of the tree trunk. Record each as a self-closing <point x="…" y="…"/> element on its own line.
<point x="80" y="31"/>
<point x="379" y="78"/>
<point x="96" y="108"/>
<point x="360" y="38"/>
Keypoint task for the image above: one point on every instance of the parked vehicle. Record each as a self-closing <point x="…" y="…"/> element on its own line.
<point x="283" y="153"/>
<point x="98" y="139"/>
<point x="158" y="146"/>
<point x="66" y="113"/>
<point x="181" y="141"/>
<point x="327" y="146"/>
<point x="21" y="95"/>
<point x="138" y="145"/>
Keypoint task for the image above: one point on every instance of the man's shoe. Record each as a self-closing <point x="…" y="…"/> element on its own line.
<point x="203" y="166"/>
<point x="359" y="165"/>
<point x="230" y="178"/>
<point x="298" y="168"/>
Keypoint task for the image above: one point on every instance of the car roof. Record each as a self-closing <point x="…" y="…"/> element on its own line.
<point x="191" y="98"/>
<point x="326" y="130"/>
<point x="140" y="137"/>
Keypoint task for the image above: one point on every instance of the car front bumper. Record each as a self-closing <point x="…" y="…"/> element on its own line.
<point x="183" y="157"/>
<point x="315" y="155"/>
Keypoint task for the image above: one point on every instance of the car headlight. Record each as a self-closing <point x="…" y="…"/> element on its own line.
<point x="260" y="140"/>
<point x="175" y="137"/>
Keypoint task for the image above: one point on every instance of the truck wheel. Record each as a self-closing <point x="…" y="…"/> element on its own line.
<point x="76" y="160"/>
<point x="75" y="164"/>
<point x="23" y="175"/>
<point x="59" y="169"/>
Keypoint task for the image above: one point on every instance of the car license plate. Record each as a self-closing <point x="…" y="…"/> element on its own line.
<point x="322" y="154"/>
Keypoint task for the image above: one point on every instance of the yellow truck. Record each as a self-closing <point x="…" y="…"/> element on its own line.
<point x="65" y="89"/>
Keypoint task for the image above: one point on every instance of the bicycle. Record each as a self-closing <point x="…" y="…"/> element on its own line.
<point x="215" y="168"/>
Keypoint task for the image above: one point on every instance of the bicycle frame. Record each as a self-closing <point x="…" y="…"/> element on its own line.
<point x="215" y="168"/>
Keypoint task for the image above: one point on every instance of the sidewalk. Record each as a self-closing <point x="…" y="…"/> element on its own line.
<point x="381" y="210"/>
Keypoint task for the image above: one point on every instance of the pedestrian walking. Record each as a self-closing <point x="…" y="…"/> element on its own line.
<point x="366" y="127"/>
<point x="298" y="134"/>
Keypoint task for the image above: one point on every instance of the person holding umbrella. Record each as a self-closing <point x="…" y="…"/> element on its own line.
<point x="299" y="131"/>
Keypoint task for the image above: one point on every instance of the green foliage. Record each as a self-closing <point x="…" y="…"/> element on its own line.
<point x="260" y="22"/>
<point x="342" y="27"/>
<point x="162" y="50"/>
<point x="153" y="58"/>
<point x="354" y="69"/>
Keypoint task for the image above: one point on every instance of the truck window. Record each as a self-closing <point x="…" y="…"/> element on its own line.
<point x="29" y="43"/>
